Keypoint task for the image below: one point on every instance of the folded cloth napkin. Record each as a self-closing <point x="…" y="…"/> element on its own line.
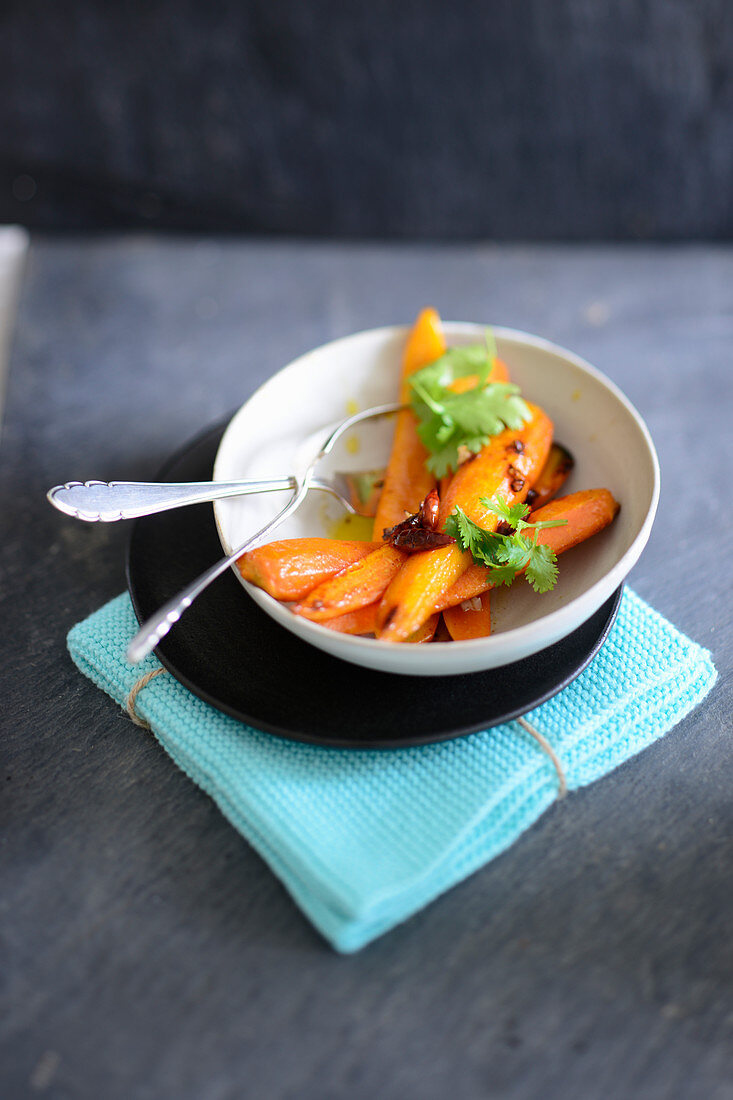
<point x="364" y="838"/>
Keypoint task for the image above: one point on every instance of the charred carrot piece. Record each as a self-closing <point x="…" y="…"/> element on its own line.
<point x="470" y="584"/>
<point x="406" y="483"/>
<point x="586" y="512"/>
<point x="357" y="586"/>
<point x="361" y="621"/>
<point x="469" y="619"/>
<point x="426" y="632"/>
<point x="507" y="465"/>
<point x="425" y="344"/>
<point x="290" y="568"/>
<point x="553" y="476"/>
<point x="442" y="633"/>
<point x="364" y="621"/>
<point x="407" y="480"/>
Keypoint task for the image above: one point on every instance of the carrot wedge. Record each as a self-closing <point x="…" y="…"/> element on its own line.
<point x="407" y="480"/>
<point x="364" y="621"/>
<point x="361" y="621"/>
<point x="469" y="619"/>
<point x="506" y="465"/>
<point x="357" y="586"/>
<point x="552" y="477"/>
<point x="426" y="632"/>
<point x="587" y="512"/>
<point x="406" y="484"/>
<point x="290" y="568"/>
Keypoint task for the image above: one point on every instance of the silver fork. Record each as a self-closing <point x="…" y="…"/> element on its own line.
<point x="156" y="627"/>
<point x="110" y="501"/>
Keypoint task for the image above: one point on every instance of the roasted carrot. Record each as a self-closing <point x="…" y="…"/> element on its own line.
<point x="407" y="480"/>
<point x="291" y="565"/>
<point x="469" y="619"/>
<point x="425" y="632"/>
<point x="290" y="568"/>
<point x="406" y="483"/>
<point x="471" y="583"/>
<point x="552" y="477"/>
<point x="586" y="512"/>
<point x="405" y="486"/>
<point x="442" y="633"/>
<point x="506" y="465"/>
<point x="362" y="621"/>
<point x="357" y="586"/>
<point x="425" y="344"/>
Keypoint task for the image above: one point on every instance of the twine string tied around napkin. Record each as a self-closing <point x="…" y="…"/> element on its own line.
<point x="562" y="785"/>
<point x="544" y="744"/>
<point x="137" y="687"/>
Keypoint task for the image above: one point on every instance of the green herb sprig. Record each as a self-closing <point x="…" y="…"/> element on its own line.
<point x="506" y="555"/>
<point x="448" y="421"/>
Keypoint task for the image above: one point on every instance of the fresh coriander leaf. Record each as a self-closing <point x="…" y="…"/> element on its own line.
<point x="506" y="555"/>
<point x="542" y="568"/>
<point x="455" y="363"/>
<point x="466" y="533"/>
<point x="449" y="421"/>
<point x="485" y="546"/>
<point x="482" y="544"/>
<point x="425" y="393"/>
<point x="502" y="574"/>
<point x="490" y="341"/>
<point x="514" y="552"/>
<point x="444" y="457"/>
<point x="547" y="523"/>
<point x="512" y="514"/>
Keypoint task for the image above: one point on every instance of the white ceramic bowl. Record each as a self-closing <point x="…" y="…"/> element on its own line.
<point x="593" y="419"/>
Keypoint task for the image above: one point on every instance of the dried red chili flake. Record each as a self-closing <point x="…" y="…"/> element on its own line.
<point x="413" y="539"/>
<point x="429" y="510"/>
<point x="419" y="532"/>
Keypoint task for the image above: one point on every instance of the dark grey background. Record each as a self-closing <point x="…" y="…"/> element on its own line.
<point x="146" y="952"/>
<point x="531" y="120"/>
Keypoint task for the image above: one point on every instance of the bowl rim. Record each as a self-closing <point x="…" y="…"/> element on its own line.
<point x="557" y="623"/>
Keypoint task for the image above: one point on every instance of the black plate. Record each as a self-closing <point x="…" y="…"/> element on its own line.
<point x="233" y="655"/>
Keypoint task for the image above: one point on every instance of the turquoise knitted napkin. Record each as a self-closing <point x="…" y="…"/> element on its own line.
<point x="362" y="839"/>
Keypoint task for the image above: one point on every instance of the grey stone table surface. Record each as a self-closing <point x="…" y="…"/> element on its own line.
<point x="146" y="950"/>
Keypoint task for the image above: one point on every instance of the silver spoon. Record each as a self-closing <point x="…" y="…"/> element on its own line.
<point x="156" y="627"/>
<point x="109" y="501"/>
